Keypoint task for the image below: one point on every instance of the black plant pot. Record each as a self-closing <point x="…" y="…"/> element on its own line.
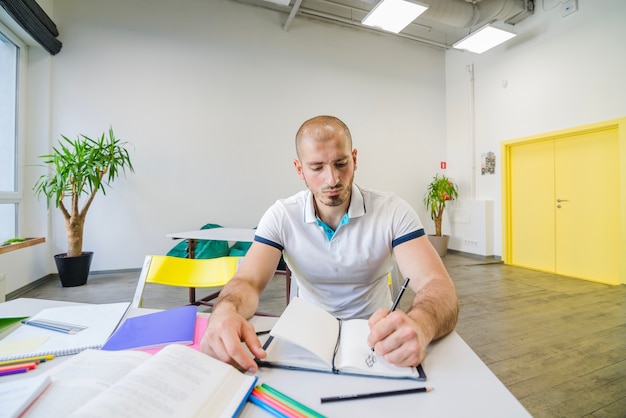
<point x="73" y="271"/>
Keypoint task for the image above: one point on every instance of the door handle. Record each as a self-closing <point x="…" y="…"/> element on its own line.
<point x="561" y="200"/>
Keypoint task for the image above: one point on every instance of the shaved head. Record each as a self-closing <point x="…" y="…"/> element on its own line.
<point x="322" y="128"/>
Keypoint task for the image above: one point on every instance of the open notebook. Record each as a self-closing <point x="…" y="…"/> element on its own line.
<point x="306" y="337"/>
<point x="95" y="321"/>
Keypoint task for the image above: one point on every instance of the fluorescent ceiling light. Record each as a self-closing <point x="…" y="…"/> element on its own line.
<point x="483" y="39"/>
<point x="393" y="15"/>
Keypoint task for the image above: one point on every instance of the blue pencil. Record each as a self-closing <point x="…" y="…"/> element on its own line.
<point x="15" y="371"/>
<point x="258" y="402"/>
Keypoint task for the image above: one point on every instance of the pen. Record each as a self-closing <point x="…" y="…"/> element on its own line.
<point x="400" y="293"/>
<point x="373" y="395"/>
<point x="370" y="360"/>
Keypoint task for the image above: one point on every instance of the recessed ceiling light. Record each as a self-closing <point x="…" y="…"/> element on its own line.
<point x="483" y="39"/>
<point x="393" y="15"/>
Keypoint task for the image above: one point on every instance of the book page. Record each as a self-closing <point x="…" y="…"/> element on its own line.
<point x="284" y="353"/>
<point x="177" y="381"/>
<point x="309" y="327"/>
<point x="353" y="350"/>
<point x="16" y="396"/>
<point x="81" y="378"/>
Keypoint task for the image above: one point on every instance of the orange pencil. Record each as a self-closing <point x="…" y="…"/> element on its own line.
<point x="29" y="366"/>
<point x="276" y="404"/>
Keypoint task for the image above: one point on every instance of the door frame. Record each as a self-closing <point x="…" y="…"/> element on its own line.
<point x="505" y="152"/>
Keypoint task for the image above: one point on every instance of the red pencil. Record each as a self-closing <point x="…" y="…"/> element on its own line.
<point x="29" y="366"/>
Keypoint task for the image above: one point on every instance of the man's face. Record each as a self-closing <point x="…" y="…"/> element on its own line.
<point x="327" y="166"/>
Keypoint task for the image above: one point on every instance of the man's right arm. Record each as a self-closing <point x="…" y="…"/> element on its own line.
<point x="238" y="300"/>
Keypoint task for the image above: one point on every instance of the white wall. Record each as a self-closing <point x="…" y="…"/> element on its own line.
<point x="560" y="72"/>
<point x="211" y="94"/>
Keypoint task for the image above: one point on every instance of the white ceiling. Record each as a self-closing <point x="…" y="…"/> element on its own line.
<point x="444" y="23"/>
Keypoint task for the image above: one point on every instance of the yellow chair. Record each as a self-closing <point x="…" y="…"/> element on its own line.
<point x="186" y="272"/>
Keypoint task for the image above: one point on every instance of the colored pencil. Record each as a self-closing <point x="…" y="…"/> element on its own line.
<point x="284" y="409"/>
<point x="28" y="366"/>
<point x="14" y="371"/>
<point x="27" y="359"/>
<point x="289" y="401"/>
<point x="261" y="404"/>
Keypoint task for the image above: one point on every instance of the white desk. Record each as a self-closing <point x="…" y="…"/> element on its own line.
<point x="463" y="385"/>
<point x="215" y="234"/>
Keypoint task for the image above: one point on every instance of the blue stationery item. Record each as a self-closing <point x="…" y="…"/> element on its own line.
<point x="55" y="326"/>
<point x="155" y="330"/>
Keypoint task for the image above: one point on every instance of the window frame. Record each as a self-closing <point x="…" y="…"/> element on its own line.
<point x="17" y="197"/>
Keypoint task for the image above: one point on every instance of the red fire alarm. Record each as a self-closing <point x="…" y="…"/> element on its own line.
<point x="443" y="165"/>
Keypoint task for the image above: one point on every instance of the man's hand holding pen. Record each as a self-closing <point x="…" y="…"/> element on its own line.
<point x="396" y="336"/>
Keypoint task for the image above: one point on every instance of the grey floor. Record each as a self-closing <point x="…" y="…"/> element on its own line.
<point x="557" y="343"/>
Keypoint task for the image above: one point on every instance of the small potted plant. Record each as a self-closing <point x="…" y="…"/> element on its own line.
<point x="440" y="190"/>
<point x="79" y="168"/>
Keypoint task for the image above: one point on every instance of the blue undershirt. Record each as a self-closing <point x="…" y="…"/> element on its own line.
<point x="330" y="233"/>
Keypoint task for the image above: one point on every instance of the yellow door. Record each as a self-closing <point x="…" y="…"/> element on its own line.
<point x="587" y="206"/>
<point x="564" y="201"/>
<point x="532" y="205"/>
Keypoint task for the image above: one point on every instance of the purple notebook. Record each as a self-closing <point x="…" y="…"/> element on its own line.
<point x="173" y="326"/>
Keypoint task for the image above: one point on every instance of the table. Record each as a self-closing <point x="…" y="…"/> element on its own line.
<point x="215" y="234"/>
<point x="463" y="384"/>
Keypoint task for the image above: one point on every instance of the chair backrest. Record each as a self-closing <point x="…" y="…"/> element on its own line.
<point x="184" y="272"/>
<point x="394" y="280"/>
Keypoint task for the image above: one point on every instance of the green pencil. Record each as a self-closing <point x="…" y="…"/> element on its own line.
<point x="292" y="402"/>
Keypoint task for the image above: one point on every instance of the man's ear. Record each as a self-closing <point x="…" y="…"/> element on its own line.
<point x="354" y="152"/>
<point x="298" y="166"/>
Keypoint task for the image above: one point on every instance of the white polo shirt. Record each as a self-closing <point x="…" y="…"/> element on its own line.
<point x="346" y="275"/>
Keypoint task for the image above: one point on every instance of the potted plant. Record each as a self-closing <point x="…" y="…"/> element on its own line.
<point x="80" y="168"/>
<point x="440" y="190"/>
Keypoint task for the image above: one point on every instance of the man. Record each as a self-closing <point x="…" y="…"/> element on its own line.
<point x="339" y="241"/>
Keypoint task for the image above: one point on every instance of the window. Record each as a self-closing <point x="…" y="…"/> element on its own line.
<point x="10" y="193"/>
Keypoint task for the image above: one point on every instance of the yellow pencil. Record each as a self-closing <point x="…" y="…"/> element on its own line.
<point x="27" y="359"/>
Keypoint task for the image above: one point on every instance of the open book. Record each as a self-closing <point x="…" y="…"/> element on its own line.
<point x="178" y="381"/>
<point x="306" y="337"/>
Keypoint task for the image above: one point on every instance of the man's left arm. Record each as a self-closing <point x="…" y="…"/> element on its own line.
<point x="402" y="337"/>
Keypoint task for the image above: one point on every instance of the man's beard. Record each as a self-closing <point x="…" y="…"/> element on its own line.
<point x="335" y="200"/>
